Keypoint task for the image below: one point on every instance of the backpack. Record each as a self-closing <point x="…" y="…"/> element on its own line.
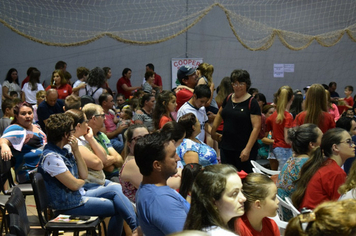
<point x="85" y="99"/>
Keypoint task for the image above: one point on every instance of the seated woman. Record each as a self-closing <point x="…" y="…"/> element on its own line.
<point x="261" y="202"/>
<point x="130" y="176"/>
<point x="23" y="141"/>
<point x="216" y="198"/>
<point x="305" y="139"/>
<point x="64" y="171"/>
<point x="193" y="150"/>
<point x="320" y="177"/>
<point x="144" y="115"/>
<point x="329" y="218"/>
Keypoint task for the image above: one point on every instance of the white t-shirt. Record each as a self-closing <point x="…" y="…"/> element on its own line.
<point x="90" y="89"/>
<point x="349" y="195"/>
<point x="29" y="94"/>
<point x="199" y="113"/>
<point x="217" y="231"/>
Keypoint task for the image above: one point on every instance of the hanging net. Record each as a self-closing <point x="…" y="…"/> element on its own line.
<point x="256" y="24"/>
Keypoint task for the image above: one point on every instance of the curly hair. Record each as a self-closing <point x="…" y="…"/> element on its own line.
<point x="96" y="77"/>
<point x="57" y="126"/>
<point x="9" y="78"/>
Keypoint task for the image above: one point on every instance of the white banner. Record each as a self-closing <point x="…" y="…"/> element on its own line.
<point x="178" y="62"/>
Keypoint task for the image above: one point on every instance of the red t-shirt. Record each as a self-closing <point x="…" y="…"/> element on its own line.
<point x="327" y="122"/>
<point x="349" y="101"/>
<point x="278" y="129"/>
<point x="63" y="91"/>
<point x="163" y="120"/>
<point x="244" y="228"/>
<point x="158" y="80"/>
<point x="183" y="96"/>
<point x="324" y="184"/>
<point x="119" y="88"/>
<point x="109" y="122"/>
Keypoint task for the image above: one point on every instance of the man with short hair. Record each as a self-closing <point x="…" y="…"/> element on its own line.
<point x="161" y="210"/>
<point x="334" y="96"/>
<point x="186" y="76"/>
<point x="96" y="116"/>
<point x="61" y="65"/>
<point x="196" y="105"/>
<point x="52" y="105"/>
<point x="72" y="102"/>
<point x="106" y="101"/>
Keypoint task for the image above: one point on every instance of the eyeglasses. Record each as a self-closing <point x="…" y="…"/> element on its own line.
<point x="136" y="138"/>
<point x="102" y="115"/>
<point x="349" y="142"/>
<point x="237" y="84"/>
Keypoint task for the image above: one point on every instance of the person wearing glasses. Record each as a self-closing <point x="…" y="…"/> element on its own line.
<point x="322" y="175"/>
<point x="96" y="117"/>
<point x="64" y="171"/>
<point x="23" y="141"/>
<point x="242" y="123"/>
<point x="348" y="124"/>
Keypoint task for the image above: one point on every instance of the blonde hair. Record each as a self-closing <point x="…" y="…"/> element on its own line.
<point x="283" y="96"/>
<point x="331" y="218"/>
<point x="350" y="182"/>
<point x="315" y="104"/>
<point x="207" y="71"/>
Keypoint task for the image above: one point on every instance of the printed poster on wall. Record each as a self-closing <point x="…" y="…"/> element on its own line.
<point x="178" y="62"/>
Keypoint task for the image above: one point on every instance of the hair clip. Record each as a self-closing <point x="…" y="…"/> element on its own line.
<point x="306" y="216"/>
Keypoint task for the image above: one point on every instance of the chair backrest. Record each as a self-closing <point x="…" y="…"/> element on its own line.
<point x="5" y="175"/>
<point x="263" y="169"/>
<point x="284" y="204"/>
<point x="282" y="225"/>
<point x="292" y="207"/>
<point x="16" y="208"/>
<point x="41" y="199"/>
<point x="256" y="170"/>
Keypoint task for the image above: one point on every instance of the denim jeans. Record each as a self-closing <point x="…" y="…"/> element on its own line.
<point x="117" y="144"/>
<point x="282" y="155"/>
<point x="105" y="201"/>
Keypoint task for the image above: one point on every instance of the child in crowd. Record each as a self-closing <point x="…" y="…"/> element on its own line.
<point x="349" y="101"/>
<point x="14" y="94"/>
<point x="7" y="107"/>
<point x="40" y="96"/>
<point x="189" y="172"/>
<point x="261" y="203"/>
<point x="279" y="122"/>
<point x="165" y="105"/>
<point x="120" y="101"/>
<point x="125" y="116"/>
<point x="150" y="78"/>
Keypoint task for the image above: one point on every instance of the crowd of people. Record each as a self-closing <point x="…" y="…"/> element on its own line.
<point x="182" y="157"/>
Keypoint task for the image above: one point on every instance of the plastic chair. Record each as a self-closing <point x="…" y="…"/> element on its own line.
<point x="263" y="169"/>
<point x="42" y="206"/>
<point x="282" y="225"/>
<point x="284" y="204"/>
<point x="292" y="207"/>
<point x="16" y="208"/>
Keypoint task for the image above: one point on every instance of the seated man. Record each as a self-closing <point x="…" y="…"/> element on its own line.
<point x="106" y="101"/>
<point x="52" y="105"/>
<point x="161" y="210"/>
<point x="95" y="116"/>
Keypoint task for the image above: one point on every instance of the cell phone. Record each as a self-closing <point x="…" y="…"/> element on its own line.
<point x="75" y="217"/>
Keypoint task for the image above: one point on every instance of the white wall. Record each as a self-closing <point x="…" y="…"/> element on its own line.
<point x="211" y="39"/>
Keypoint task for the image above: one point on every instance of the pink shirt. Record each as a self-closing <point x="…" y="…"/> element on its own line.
<point x="109" y="123"/>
